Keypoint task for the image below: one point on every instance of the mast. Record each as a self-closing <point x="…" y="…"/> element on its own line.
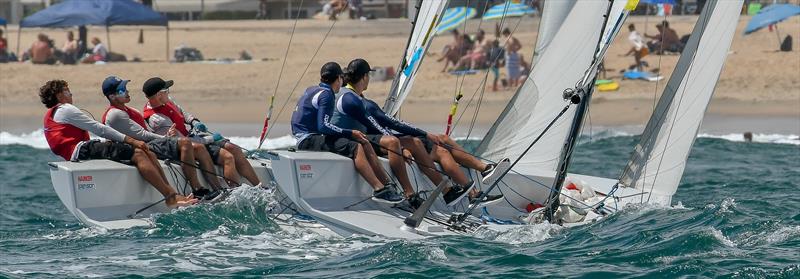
<point x="581" y="96"/>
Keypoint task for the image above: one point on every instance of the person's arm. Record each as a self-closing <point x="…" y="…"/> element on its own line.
<point x="159" y="123"/>
<point x="353" y="106"/>
<point x="120" y="121"/>
<point x="70" y="114"/>
<point x="392" y="123"/>
<point x="325" y="107"/>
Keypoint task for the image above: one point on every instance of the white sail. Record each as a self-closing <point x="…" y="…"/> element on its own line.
<point x="553" y="15"/>
<point x="428" y="16"/>
<point x="539" y="99"/>
<point x="658" y="161"/>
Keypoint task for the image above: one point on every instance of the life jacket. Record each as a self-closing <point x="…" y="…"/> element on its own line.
<point x="62" y="137"/>
<point x="171" y="111"/>
<point x="133" y="114"/>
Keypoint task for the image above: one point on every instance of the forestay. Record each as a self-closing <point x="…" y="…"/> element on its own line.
<point x="553" y="15"/>
<point x="421" y="36"/>
<point x="659" y="159"/>
<point x="539" y="99"/>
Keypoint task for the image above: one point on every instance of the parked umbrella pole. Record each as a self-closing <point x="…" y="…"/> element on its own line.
<point x="19" y="35"/>
<point x="778" y="33"/>
<point x="167" y="52"/>
<point x="108" y="39"/>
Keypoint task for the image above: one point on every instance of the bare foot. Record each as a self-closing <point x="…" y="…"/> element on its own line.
<point x="180" y="201"/>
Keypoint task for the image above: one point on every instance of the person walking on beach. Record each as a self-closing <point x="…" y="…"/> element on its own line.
<point x="513" y="65"/>
<point x="66" y="130"/>
<point x="638" y="48"/>
<point x="130" y="122"/>
<point x="163" y="115"/>
<point x="314" y="131"/>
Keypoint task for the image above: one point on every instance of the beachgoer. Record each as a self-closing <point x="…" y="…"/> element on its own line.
<point x="4" y="57"/>
<point x="41" y="52"/>
<point x="356" y="9"/>
<point x="311" y="125"/>
<point x="453" y="52"/>
<point x="512" y="58"/>
<point x="67" y="129"/>
<point x="130" y="122"/>
<point x="99" y="52"/>
<point x="333" y="8"/>
<point x="496" y="60"/>
<point x="666" y="39"/>
<point x="162" y="114"/>
<point x="355" y="111"/>
<point x="69" y="52"/>
<point x="638" y="48"/>
<point x="262" y="10"/>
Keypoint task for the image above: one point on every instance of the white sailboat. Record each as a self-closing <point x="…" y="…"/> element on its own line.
<point x="325" y="188"/>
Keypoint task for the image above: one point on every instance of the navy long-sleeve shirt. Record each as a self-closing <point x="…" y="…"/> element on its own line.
<point x="313" y="114"/>
<point x="390" y="122"/>
<point x="357" y="112"/>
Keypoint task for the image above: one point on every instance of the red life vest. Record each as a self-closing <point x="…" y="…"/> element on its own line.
<point x="132" y="113"/>
<point x="62" y="137"/>
<point x="171" y="111"/>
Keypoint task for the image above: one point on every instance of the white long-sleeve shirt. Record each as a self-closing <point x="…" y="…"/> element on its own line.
<point x="122" y="122"/>
<point x="70" y="114"/>
<point x="161" y="123"/>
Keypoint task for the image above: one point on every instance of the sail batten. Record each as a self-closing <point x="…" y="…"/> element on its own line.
<point x="659" y="159"/>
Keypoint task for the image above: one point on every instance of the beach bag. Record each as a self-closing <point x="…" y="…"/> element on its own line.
<point x="786" y="45"/>
<point x="184" y="53"/>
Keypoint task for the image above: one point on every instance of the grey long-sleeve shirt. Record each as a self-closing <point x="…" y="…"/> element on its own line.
<point x="122" y="122"/>
<point x="69" y="114"/>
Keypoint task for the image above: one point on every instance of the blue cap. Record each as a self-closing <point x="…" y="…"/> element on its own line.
<point x="114" y="84"/>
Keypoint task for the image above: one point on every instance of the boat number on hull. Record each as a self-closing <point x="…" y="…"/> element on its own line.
<point x="85" y="186"/>
<point x="85" y="182"/>
<point x="305" y="171"/>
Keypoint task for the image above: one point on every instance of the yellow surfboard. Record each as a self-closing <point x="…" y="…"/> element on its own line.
<point x="611" y="86"/>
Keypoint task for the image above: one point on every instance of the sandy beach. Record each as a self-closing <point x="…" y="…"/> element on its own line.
<point x="758" y="84"/>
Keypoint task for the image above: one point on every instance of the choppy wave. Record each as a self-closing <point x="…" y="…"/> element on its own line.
<point x="36" y="139"/>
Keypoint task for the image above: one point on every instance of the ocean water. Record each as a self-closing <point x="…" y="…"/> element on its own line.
<point x="736" y="215"/>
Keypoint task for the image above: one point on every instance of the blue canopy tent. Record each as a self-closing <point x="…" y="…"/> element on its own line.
<point x="3" y="21"/>
<point x="106" y="13"/>
<point x="772" y="14"/>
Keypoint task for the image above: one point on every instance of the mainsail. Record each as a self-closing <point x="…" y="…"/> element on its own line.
<point x="553" y="15"/>
<point x="659" y="158"/>
<point x="571" y="52"/>
<point x="428" y="14"/>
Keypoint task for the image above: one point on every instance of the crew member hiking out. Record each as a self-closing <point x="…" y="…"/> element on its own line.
<point x="355" y="109"/>
<point x="130" y="122"/>
<point x="162" y="114"/>
<point x="67" y="129"/>
<point x="311" y="125"/>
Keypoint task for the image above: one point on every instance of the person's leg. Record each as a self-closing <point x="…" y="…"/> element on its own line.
<point x="461" y="156"/>
<point x="206" y="164"/>
<point x="150" y="172"/>
<point x="364" y="168"/>
<point x="397" y="162"/>
<point x="423" y="159"/>
<point x="374" y="163"/>
<point x="242" y="165"/>
<point x="229" y="170"/>
<point x="449" y="165"/>
<point x="187" y="158"/>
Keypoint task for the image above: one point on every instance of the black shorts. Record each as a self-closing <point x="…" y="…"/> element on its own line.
<point x="374" y="140"/>
<point x="114" y="151"/>
<point x="214" y="149"/>
<point x="165" y="148"/>
<point x="339" y="145"/>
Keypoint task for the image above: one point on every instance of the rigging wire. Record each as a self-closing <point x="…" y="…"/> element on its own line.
<point x="265" y="130"/>
<point x="310" y="61"/>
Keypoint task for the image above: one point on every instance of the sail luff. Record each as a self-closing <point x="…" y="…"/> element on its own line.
<point x="428" y="15"/>
<point x="553" y="15"/>
<point x="658" y="160"/>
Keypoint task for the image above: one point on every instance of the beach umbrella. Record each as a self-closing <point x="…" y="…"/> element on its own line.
<point x="454" y="17"/>
<point x="3" y="21"/>
<point x="771" y="15"/>
<point x="507" y="9"/>
<point x="671" y="2"/>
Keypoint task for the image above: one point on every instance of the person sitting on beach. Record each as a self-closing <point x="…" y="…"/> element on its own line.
<point x="69" y="52"/>
<point x="453" y="52"/>
<point x="41" y="51"/>
<point x="638" y="48"/>
<point x="666" y="39"/>
<point x="67" y="129"/>
<point x="99" y="52"/>
<point x="163" y="115"/>
<point x="512" y="58"/>
<point x="355" y="111"/>
<point x="312" y="127"/>
<point x="130" y="122"/>
<point x="4" y="57"/>
<point x="333" y="8"/>
<point x="476" y="58"/>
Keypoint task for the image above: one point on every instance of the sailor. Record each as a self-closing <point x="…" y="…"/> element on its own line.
<point x="162" y="114"/>
<point x="130" y="122"/>
<point x="382" y="141"/>
<point x="311" y="125"/>
<point x="439" y="148"/>
<point x="67" y="129"/>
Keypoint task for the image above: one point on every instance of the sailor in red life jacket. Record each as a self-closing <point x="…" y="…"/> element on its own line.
<point x="67" y="129"/>
<point x="161" y="114"/>
<point x="130" y="122"/>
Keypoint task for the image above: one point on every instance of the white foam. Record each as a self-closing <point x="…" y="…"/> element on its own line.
<point x="721" y="237"/>
<point x="760" y="138"/>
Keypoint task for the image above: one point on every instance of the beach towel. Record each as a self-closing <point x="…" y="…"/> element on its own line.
<point x="648" y="76"/>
